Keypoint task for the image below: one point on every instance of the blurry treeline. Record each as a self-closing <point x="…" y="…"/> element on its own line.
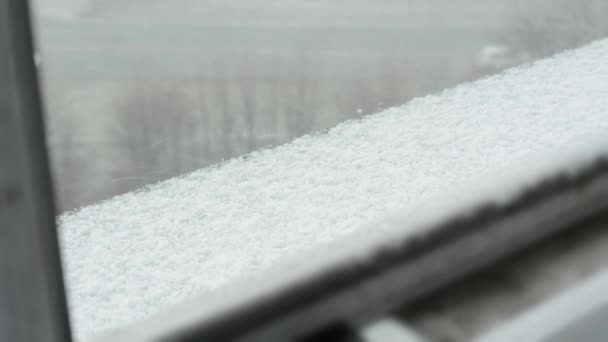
<point x="156" y="129"/>
<point x="159" y="129"/>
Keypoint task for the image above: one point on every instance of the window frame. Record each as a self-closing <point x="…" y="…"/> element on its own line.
<point x="32" y="295"/>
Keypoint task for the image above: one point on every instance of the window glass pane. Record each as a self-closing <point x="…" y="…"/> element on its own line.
<point x="141" y="91"/>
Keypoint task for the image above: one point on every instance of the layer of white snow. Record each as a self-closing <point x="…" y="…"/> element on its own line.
<point x="133" y="255"/>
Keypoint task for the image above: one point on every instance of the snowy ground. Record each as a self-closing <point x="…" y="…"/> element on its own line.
<point x="130" y="256"/>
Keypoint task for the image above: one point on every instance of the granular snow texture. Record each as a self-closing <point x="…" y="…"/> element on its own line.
<point x="132" y="255"/>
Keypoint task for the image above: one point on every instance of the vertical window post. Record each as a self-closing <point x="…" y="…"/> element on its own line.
<point x="32" y="297"/>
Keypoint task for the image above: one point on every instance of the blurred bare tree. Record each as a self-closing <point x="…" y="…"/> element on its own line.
<point x="302" y="102"/>
<point x="151" y="131"/>
<point x="205" y="115"/>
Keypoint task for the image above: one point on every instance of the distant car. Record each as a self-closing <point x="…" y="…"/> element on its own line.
<point x="500" y="57"/>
